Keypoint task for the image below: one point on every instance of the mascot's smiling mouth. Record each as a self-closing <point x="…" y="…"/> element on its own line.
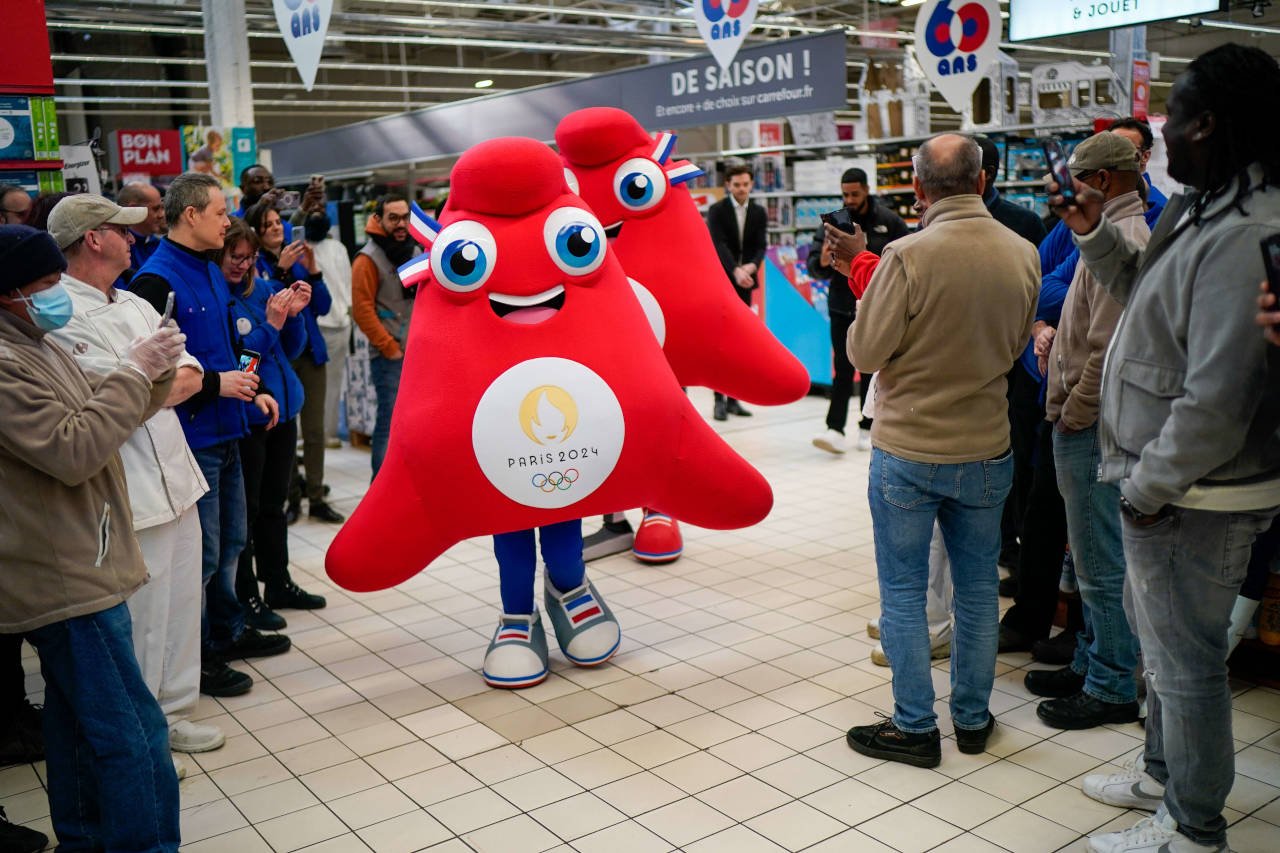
<point x="612" y="232"/>
<point x="528" y="310"/>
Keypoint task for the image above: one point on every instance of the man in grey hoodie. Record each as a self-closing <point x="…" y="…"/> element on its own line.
<point x="1190" y="429"/>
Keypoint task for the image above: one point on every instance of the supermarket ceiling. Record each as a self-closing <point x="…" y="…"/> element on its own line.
<point x="140" y="63"/>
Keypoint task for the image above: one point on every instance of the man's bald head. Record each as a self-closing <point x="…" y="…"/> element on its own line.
<point x="948" y="164"/>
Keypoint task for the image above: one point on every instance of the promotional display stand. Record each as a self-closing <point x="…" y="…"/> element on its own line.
<point x="29" y="148"/>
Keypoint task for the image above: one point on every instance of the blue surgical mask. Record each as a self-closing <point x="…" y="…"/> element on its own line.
<point x="49" y="309"/>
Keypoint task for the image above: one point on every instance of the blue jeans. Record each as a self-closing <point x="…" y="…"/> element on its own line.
<point x="111" y="780"/>
<point x="223" y="531"/>
<point x="967" y="500"/>
<point x="385" y="374"/>
<point x="1184" y="573"/>
<point x="1106" y="650"/>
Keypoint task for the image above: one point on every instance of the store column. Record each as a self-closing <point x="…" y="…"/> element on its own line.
<point x="226" y="48"/>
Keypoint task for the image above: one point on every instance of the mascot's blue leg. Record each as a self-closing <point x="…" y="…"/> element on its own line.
<point x="516" y="565"/>
<point x="517" y="654"/>
<point x="562" y="554"/>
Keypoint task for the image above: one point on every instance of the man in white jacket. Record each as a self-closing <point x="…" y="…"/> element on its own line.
<point x="163" y="477"/>
<point x="335" y="266"/>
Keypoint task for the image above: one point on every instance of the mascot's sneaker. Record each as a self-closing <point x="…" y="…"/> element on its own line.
<point x="585" y="628"/>
<point x="517" y="655"/>
<point x="658" y="540"/>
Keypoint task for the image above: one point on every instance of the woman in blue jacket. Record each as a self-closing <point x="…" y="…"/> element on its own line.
<point x="287" y="263"/>
<point x="267" y="321"/>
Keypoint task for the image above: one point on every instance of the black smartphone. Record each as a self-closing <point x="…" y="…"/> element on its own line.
<point x="1271" y="260"/>
<point x="840" y="218"/>
<point x="249" y="361"/>
<point x="1057" y="160"/>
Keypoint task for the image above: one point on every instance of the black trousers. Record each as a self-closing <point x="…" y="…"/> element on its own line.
<point x="745" y="296"/>
<point x="1044" y="544"/>
<point x="1025" y="416"/>
<point x="13" y="687"/>
<point x="267" y="457"/>
<point x="842" y="379"/>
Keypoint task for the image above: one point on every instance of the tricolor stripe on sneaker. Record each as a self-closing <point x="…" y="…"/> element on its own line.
<point x="583" y="609"/>
<point x="519" y="633"/>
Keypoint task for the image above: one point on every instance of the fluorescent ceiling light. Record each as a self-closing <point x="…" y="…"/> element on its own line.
<point x="483" y="84"/>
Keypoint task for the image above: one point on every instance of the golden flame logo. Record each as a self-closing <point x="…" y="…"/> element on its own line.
<point x="548" y="415"/>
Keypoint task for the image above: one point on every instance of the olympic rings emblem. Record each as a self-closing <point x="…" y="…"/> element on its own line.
<point x="555" y="480"/>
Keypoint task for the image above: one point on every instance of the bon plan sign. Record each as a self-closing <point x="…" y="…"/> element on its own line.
<point x="956" y="42"/>
<point x="146" y="152"/>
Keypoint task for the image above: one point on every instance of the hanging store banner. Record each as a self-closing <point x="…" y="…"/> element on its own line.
<point x="772" y="80"/>
<point x="303" y="25"/>
<point x="956" y="42"/>
<point x="724" y="25"/>
<point x="1037" y="19"/>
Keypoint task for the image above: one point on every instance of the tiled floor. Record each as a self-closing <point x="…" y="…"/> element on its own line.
<point x="719" y="726"/>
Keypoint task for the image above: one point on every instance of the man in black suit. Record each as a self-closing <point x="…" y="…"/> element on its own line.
<point x="738" y="228"/>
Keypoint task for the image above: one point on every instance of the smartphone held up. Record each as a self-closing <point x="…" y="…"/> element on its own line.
<point x="1056" y="157"/>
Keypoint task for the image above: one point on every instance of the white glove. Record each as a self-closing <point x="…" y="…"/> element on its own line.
<point x="156" y="354"/>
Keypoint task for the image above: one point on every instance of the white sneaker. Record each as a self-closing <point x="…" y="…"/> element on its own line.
<point x="832" y="442"/>
<point x="1131" y="789"/>
<point x="186" y="736"/>
<point x="873" y="628"/>
<point x="864" y="439"/>
<point x="939" y="648"/>
<point x="1155" y="834"/>
<point x="179" y="767"/>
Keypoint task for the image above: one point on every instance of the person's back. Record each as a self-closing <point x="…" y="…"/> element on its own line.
<point x="964" y="288"/>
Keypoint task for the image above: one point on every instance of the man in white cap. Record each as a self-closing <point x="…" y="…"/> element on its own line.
<point x="163" y="476"/>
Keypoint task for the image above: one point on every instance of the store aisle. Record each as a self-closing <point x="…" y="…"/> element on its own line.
<point x="719" y="726"/>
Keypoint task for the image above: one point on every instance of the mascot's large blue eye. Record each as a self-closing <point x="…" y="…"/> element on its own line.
<point x="463" y="256"/>
<point x="639" y="184"/>
<point x="575" y="240"/>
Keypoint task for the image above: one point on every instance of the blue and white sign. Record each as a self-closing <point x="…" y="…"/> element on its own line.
<point x="1036" y="19"/>
<point x="724" y="25"/>
<point x="956" y="42"/>
<point x="303" y="25"/>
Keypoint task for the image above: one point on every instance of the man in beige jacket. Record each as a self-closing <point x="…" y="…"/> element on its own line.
<point x="944" y="317"/>
<point x="68" y="558"/>
<point x="1098" y="687"/>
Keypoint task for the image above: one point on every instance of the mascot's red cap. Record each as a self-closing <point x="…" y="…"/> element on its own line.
<point x="512" y="176"/>
<point x="597" y="135"/>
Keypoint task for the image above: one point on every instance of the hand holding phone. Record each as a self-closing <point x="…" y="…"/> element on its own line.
<point x="840" y="218"/>
<point x="249" y="361"/>
<point x="1056" y="157"/>
<point x="168" y="309"/>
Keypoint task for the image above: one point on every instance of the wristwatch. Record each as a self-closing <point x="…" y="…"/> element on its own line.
<point x="1139" y="517"/>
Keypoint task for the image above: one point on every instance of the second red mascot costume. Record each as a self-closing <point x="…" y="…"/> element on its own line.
<point x="534" y="393"/>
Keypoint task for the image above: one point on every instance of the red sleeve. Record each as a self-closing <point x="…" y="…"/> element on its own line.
<point x="861" y="269"/>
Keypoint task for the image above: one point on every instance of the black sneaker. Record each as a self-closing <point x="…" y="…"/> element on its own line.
<point x="321" y="511"/>
<point x="20" y="746"/>
<point x="1060" y="649"/>
<point x="218" y="679"/>
<point x="733" y="407"/>
<point x="258" y="615"/>
<point x="19" y="839"/>
<point x="974" y="741"/>
<point x="1013" y="640"/>
<point x="292" y="597"/>
<point x="1008" y="587"/>
<point x="884" y="740"/>
<point x="1083" y="711"/>
<point x="252" y="643"/>
<point x="292" y="512"/>
<point x="1054" y="683"/>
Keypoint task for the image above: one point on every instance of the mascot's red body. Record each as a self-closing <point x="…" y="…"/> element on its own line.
<point x="534" y="390"/>
<point x="712" y="339"/>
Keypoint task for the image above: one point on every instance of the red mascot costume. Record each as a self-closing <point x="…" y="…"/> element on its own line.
<point x="534" y="393"/>
<point x="627" y="178"/>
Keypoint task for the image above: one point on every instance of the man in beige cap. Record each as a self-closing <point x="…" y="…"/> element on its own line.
<point x="1097" y="688"/>
<point x="164" y="479"/>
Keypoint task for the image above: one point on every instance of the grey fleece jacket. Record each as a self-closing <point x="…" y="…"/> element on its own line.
<point x="1190" y="410"/>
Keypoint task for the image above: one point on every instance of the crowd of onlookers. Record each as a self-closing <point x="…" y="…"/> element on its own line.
<point x="163" y="357"/>
<point x="1090" y="404"/>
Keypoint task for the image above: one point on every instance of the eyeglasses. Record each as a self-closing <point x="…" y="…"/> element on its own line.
<point x="122" y="230"/>
<point x="393" y="218"/>
<point x="241" y="260"/>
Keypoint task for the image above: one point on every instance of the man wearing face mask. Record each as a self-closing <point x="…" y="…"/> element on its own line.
<point x="382" y="306"/>
<point x="69" y="560"/>
<point x="335" y="267"/>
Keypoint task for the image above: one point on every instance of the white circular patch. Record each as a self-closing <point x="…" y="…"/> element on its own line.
<point x="548" y="432"/>
<point x="652" y="310"/>
<point x="244" y="325"/>
<point x="7" y="133"/>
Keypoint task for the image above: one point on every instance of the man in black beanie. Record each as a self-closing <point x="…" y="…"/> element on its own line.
<point x="68" y="558"/>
